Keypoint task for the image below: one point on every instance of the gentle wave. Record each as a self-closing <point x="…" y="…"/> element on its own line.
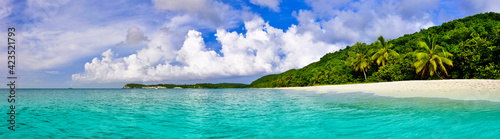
<point x="244" y="113"/>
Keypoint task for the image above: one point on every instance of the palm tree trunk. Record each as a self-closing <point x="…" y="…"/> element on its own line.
<point x="364" y="74"/>
<point x="423" y="71"/>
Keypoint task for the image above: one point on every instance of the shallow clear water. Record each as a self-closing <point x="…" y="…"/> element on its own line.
<point x="243" y="113"/>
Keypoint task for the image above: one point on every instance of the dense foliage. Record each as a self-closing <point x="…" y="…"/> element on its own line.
<point x="467" y="48"/>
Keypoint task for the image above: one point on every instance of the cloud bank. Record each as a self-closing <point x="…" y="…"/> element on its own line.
<point x="262" y="49"/>
<point x="349" y="22"/>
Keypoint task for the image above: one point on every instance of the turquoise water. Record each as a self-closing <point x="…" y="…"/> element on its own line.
<point x="243" y="113"/>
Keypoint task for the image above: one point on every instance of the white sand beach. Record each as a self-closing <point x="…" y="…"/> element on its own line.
<point x="470" y="89"/>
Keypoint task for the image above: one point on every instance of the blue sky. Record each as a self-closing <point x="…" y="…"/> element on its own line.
<point x="64" y="43"/>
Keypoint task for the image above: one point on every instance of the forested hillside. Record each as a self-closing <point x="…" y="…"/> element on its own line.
<point x="465" y="48"/>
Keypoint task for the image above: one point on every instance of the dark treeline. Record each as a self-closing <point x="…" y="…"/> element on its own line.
<point x="465" y="48"/>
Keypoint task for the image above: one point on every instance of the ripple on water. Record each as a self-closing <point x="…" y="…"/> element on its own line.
<point x="246" y="113"/>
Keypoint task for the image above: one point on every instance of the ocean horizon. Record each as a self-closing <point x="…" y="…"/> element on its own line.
<point x="244" y="113"/>
<point x="250" y="69"/>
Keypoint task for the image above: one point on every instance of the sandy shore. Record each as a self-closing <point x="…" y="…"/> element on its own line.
<point x="453" y="89"/>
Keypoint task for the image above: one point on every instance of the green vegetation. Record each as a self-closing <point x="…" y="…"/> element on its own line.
<point x="430" y="58"/>
<point x="134" y="85"/>
<point x="383" y="51"/>
<point x="359" y="58"/>
<point x="465" y="48"/>
<point x="200" y="85"/>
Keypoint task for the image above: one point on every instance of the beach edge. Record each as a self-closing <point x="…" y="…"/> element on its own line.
<point x="457" y="89"/>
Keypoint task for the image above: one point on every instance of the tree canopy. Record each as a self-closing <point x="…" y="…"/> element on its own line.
<point x="431" y="57"/>
<point x="383" y="51"/>
<point x="465" y="48"/>
<point x="359" y="58"/>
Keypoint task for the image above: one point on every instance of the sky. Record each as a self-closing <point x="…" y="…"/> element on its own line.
<point x="106" y="44"/>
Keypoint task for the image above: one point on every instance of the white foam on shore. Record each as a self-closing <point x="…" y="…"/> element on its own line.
<point x="470" y="89"/>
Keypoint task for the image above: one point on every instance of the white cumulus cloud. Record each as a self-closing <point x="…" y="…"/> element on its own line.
<point x="135" y="36"/>
<point x="58" y="33"/>
<point x="271" y="4"/>
<point x="262" y="49"/>
<point x="214" y="13"/>
<point x="349" y="22"/>
<point x="47" y="49"/>
<point x="186" y="5"/>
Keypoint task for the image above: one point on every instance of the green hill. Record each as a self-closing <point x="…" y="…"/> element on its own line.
<point x="465" y="48"/>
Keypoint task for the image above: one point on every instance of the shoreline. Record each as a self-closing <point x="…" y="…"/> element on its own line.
<point x="457" y="89"/>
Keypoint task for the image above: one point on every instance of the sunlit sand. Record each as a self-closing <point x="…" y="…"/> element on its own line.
<point x="453" y="89"/>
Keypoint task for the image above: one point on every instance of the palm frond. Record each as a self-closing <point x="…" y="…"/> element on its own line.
<point x="419" y="65"/>
<point x="433" y="63"/>
<point x="422" y="56"/>
<point x="440" y="62"/>
<point x="447" y="61"/>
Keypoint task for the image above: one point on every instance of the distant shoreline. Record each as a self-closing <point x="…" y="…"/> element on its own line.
<point x="458" y="89"/>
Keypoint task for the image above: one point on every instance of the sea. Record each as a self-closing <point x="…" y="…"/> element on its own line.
<point x="241" y="113"/>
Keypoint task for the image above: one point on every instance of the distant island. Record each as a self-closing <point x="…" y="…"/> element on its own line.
<point x="173" y="86"/>
<point x="467" y="48"/>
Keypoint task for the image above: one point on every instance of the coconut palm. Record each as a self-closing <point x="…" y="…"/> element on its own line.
<point x="431" y="57"/>
<point x="383" y="51"/>
<point x="359" y="58"/>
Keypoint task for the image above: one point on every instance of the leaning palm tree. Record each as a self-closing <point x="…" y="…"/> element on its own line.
<point x="359" y="58"/>
<point x="383" y="51"/>
<point x="431" y="57"/>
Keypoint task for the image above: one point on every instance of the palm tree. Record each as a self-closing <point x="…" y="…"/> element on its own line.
<point x="359" y="58"/>
<point x="383" y="51"/>
<point x="431" y="57"/>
